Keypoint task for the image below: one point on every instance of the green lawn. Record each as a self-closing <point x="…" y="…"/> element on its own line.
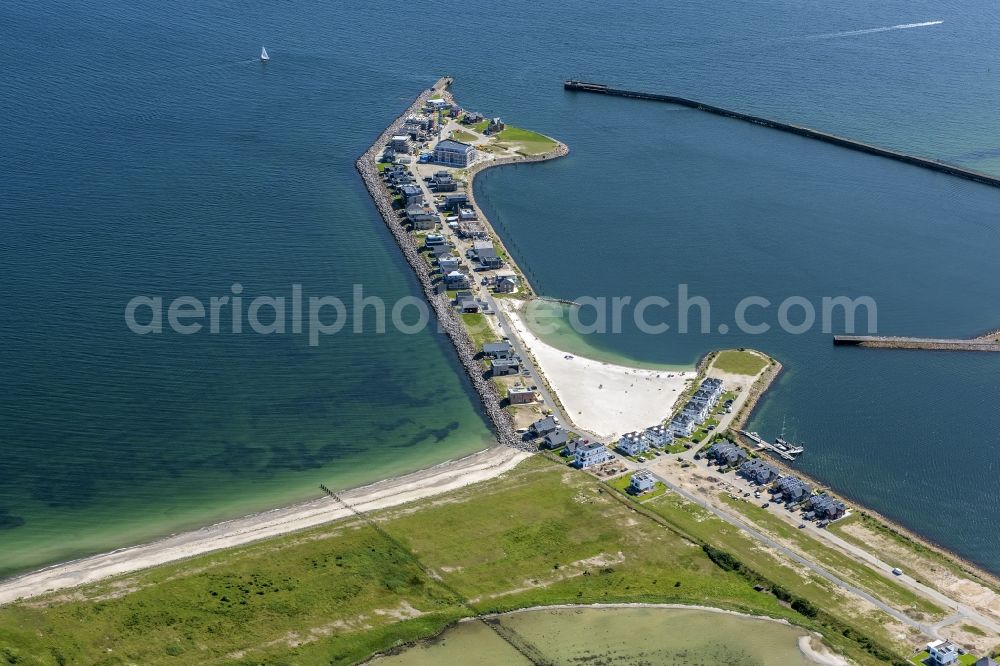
<point x="739" y="362"/>
<point x="541" y="534"/>
<point x="622" y="483"/>
<point x="479" y="329"/>
<point x="526" y="141"/>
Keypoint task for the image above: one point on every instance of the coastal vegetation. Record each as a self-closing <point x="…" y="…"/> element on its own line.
<point x="539" y="535"/>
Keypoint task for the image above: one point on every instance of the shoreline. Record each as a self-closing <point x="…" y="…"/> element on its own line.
<point x="766" y="383"/>
<point x="429" y="481"/>
<point x="443" y="477"/>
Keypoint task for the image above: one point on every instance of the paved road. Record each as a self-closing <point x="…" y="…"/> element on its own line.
<point x="812" y="566"/>
<point x="961" y="611"/>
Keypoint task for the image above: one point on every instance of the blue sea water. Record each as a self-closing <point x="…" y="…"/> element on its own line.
<point x="144" y="150"/>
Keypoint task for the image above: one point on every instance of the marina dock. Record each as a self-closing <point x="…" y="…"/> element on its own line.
<point x="934" y="344"/>
<point x="764" y="445"/>
<point x="844" y="142"/>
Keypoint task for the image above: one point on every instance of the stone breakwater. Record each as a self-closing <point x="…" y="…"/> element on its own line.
<point x="446" y="314"/>
<point x="988" y="344"/>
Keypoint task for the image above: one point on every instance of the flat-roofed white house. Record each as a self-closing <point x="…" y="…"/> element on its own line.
<point x="657" y="436"/>
<point x="943" y="653"/>
<point x="454" y="153"/>
<point x="632" y="444"/>
<point x="590" y="454"/>
<point x="642" y="482"/>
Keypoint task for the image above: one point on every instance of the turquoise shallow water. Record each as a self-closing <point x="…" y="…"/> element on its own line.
<point x="146" y="151"/>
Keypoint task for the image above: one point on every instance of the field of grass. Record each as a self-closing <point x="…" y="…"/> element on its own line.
<point x="739" y="362"/>
<point x="526" y="141"/>
<point x="539" y="535"/>
<point x="479" y="329"/>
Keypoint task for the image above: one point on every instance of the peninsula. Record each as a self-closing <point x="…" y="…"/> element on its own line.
<point x="584" y="502"/>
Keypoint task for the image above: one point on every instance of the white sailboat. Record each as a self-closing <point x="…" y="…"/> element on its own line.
<point x="263" y="55"/>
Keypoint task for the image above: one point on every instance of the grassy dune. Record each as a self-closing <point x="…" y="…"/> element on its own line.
<point x="541" y="534"/>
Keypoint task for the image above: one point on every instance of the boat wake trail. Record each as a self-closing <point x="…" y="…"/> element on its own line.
<point x="868" y="31"/>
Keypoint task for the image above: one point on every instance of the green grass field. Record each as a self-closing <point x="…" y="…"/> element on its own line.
<point x="479" y="329"/>
<point x="622" y="483"/>
<point x="539" y="535"/>
<point x="739" y="362"/>
<point x="526" y="141"/>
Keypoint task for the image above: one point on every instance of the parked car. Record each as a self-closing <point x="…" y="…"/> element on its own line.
<point x="765" y="505"/>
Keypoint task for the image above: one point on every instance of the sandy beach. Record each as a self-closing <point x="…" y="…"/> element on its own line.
<point x="435" y="480"/>
<point x="605" y="399"/>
